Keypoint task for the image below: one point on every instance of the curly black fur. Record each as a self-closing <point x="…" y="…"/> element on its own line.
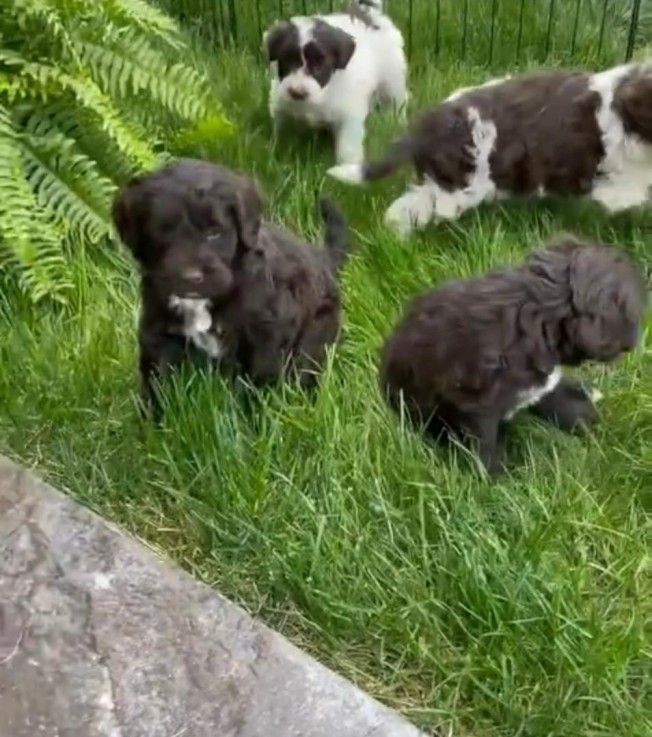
<point x="465" y="355"/>
<point x="196" y="232"/>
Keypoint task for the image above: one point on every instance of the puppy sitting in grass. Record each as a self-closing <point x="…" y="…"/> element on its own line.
<point x="222" y="287"/>
<point x="469" y="355"/>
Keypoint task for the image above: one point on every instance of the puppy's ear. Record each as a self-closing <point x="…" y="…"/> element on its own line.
<point x="604" y="279"/>
<point x="246" y="209"/>
<point x="551" y="264"/>
<point x="633" y="102"/>
<point x="276" y="37"/>
<point x="339" y="45"/>
<point x="610" y="297"/>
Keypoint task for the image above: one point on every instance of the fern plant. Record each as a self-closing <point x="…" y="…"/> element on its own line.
<point x="88" y="91"/>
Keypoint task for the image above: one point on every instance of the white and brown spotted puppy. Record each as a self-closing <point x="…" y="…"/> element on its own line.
<point x="547" y="133"/>
<point x="328" y="70"/>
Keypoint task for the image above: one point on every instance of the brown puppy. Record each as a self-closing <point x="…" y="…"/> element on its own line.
<point x="549" y="133"/>
<point x="223" y="287"/>
<point x="469" y="355"/>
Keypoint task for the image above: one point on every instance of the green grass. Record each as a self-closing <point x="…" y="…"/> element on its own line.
<point x="520" y="608"/>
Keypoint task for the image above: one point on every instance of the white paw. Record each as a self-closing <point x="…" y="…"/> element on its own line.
<point x="349" y="173"/>
<point x="401" y="221"/>
<point x="413" y="210"/>
<point x="596" y="395"/>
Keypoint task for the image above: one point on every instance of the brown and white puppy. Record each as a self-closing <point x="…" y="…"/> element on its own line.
<point x="467" y="356"/>
<point x="329" y="70"/>
<point x="548" y="133"/>
<point x="222" y="287"/>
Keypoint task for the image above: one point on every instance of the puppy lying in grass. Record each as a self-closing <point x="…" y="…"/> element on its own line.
<point x="554" y="133"/>
<point x="469" y="355"/>
<point x="221" y="286"/>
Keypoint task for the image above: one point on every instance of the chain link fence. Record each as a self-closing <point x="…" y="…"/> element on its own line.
<point x="494" y="33"/>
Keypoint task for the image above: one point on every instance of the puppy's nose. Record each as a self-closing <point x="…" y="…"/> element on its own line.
<point x="298" y="93"/>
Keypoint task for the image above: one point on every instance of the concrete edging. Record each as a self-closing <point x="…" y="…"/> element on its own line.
<point x="101" y="638"/>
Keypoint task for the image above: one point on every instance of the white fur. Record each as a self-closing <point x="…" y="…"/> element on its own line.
<point x="623" y="182"/>
<point x="627" y="166"/>
<point x="463" y="90"/>
<point x="596" y="395"/>
<point x="531" y="396"/>
<point x="377" y="71"/>
<point x="197" y="323"/>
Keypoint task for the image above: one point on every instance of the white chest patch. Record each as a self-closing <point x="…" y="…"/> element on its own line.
<point x="529" y="397"/>
<point x="197" y="324"/>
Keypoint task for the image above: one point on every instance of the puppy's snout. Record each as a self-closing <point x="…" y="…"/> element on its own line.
<point x="298" y="93"/>
<point x="194" y="276"/>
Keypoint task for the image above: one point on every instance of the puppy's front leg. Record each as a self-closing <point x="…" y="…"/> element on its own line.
<point x="485" y="436"/>
<point x="349" y="140"/>
<point x="155" y="363"/>
<point x="266" y="363"/>
<point x="569" y="407"/>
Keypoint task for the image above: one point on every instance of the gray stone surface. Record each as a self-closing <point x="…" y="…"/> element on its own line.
<point x="100" y="638"/>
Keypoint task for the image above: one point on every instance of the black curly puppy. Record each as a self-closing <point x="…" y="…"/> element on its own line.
<point x="469" y="355"/>
<point x="221" y="286"/>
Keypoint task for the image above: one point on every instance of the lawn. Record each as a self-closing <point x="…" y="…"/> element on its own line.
<point x="520" y="607"/>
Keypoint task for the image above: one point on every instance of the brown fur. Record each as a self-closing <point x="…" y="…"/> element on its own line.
<point x="548" y="136"/>
<point x="463" y="353"/>
<point x="196" y="230"/>
<point x="328" y="50"/>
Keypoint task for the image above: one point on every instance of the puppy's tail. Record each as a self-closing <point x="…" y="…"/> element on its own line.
<point x="400" y="153"/>
<point x="337" y="236"/>
<point x="367" y="6"/>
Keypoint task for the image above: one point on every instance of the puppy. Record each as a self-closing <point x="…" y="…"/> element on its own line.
<point x="328" y="70"/>
<point x="549" y="133"/>
<point x="466" y="357"/>
<point x="222" y="287"/>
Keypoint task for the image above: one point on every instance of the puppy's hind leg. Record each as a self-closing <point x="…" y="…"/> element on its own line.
<point x="394" y="90"/>
<point x="312" y="353"/>
<point x="484" y="435"/>
<point x="570" y="407"/>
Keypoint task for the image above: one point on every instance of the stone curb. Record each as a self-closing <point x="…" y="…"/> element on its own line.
<point x="100" y="638"/>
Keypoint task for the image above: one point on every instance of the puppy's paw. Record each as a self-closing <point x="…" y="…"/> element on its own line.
<point x="411" y="211"/>
<point x="348" y="173"/>
<point x="401" y="220"/>
<point x="596" y="395"/>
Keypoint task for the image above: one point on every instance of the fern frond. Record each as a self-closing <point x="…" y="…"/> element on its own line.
<point x="46" y="14"/>
<point x="145" y="16"/>
<point x="114" y="125"/>
<point x="89" y="91"/>
<point x="66" y="181"/>
<point x="28" y="239"/>
<point x="129" y="66"/>
<point x="51" y="82"/>
<point x="77" y="123"/>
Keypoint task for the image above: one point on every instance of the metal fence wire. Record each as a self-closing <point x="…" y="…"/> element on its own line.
<point x="496" y="33"/>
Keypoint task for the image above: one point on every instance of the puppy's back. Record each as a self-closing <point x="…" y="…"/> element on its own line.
<point x="445" y="345"/>
<point x="540" y="108"/>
